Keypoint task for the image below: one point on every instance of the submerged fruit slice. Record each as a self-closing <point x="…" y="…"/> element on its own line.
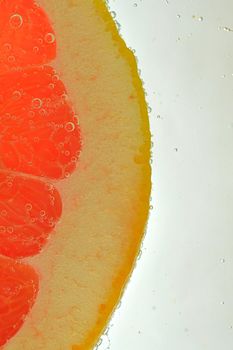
<point x="106" y="201"/>
<point x="29" y="211"/>
<point x="39" y="134"/>
<point x="26" y="36"/>
<point x="18" y="291"/>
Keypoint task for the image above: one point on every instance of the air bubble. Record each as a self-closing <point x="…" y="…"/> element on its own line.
<point x="55" y="78"/>
<point x="49" y="38"/>
<point x="28" y="206"/>
<point x="35" y="49"/>
<point x="36" y="103"/>
<point x="31" y="114"/>
<point x="70" y="127"/>
<point x="36" y="139"/>
<point x="17" y="95"/>
<point x="7" y="47"/>
<point x="51" y="222"/>
<point x="139" y="255"/>
<point x="43" y="112"/>
<point x="16" y="21"/>
<point x="52" y="200"/>
<point x="10" y="229"/>
<point x="11" y="59"/>
<point x="119" y="305"/>
<point x="99" y="342"/>
<point x="226" y="29"/>
<point x="64" y="97"/>
<point x="74" y="160"/>
<point x="49" y="187"/>
<point x="118" y="25"/>
<point x="2" y="229"/>
<point x="200" y="19"/>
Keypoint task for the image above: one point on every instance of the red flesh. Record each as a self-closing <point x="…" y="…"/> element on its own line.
<point x="39" y="136"/>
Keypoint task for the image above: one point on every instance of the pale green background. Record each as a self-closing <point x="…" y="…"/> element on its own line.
<point x="181" y="294"/>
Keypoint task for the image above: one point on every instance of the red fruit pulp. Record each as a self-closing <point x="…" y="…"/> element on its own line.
<point x="29" y="211"/>
<point x="39" y="136"/>
<point x="18" y="290"/>
<point x="26" y="35"/>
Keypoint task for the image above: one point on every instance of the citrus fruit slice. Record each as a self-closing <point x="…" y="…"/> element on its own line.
<point x="105" y="202"/>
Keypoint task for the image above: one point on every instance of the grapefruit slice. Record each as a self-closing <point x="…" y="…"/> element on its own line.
<point x="105" y="202"/>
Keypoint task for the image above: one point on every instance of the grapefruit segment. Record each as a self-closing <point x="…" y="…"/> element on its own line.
<point x="38" y="127"/>
<point x="26" y="35"/>
<point x="18" y="291"/>
<point x="29" y="211"/>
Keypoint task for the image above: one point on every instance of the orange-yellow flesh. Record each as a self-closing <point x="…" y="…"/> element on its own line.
<point x="84" y="268"/>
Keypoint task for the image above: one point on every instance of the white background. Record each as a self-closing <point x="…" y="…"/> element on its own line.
<point x="181" y="294"/>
